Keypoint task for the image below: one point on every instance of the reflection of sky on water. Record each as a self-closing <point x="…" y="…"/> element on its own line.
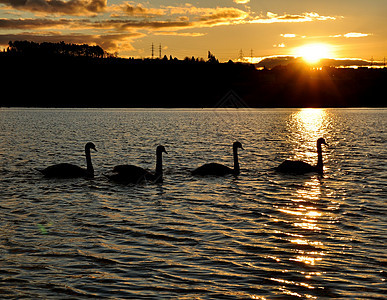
<point x="309" y="123"/>
<point x="262" y="234"/>
<point x="304" y="127"/>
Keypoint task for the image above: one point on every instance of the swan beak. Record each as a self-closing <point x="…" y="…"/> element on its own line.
<point x="95" y="149"/>
<point x="165" y="151"/>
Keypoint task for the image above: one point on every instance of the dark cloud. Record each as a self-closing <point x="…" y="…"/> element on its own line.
<point x="271" y="62"/>
<point x="33" y="23"/>
<point x="117" y="24"/>
<point x="134" y="10"/>
<point x="141" y="11"/>
<point x="225" y="14"/>
<point x="72" y="7"/>
<point x="151" y="24"/>
<point x="126" y="21"/>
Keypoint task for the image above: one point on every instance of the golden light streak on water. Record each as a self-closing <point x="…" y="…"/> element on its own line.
<point x="194" y="238"/>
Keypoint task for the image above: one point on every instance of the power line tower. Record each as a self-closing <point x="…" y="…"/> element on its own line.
<point x="153" y="50"/>
<point x="160" y="51"/>
<point x="240" y="55"/>
<point x="251" y="55"/>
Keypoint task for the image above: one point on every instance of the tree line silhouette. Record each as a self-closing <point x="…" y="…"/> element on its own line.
<point x="69" y="75"/>
<point x="49" y="49"/>
<point x="45" y="49"/>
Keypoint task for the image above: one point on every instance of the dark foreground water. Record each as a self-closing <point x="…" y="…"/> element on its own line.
<point x="261" y="235"/>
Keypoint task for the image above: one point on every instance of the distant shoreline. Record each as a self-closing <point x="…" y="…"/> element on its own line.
<point x="81" y="82"/>
<point x="182" y="109"/>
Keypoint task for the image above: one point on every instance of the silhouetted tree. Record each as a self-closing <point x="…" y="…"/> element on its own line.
<point x="54" y="49"/>
<point x="212" y="58"/>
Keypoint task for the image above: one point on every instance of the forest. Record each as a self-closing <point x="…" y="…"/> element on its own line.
<point x="67" y="75"/>
<point x="47" y="49"/>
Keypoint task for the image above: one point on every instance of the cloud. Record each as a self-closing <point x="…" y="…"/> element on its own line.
<point x="288" y="35"/>
<point x="355" y="35"/>
<point x="189" y="34"/>
<point x="224" y="14"/>
<point x="305" y="17"/>
<point x="185" y="17"/>
<point x="241" y="1"/>
<point x="116" y="25"/>
<point x="32" y="23"/>
<point x="77" y="24"/>
<point x="72" y="7"/>
<point x="351" y="35"/>
<point x="145" y="24"/>
<point x="136" y="11"/>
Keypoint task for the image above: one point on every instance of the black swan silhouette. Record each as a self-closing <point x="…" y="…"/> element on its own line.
<point x="300" y="167"/>
<point x="134" y="174"/>
<point x="65" y="170"/>
<point x="218" y="169"/>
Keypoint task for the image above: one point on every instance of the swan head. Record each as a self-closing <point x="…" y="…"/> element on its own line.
<point x="237" y="145"/>
<point x="90" y="145"/>
<point x="321" y="141"/>
<point x="160" y="149"/>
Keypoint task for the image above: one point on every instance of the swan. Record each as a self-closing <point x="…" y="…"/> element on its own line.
<point x="65" y="170"/>
<point x="300" y="167"/>
<point x="134" y="174"/>
<point x="218" y="169"/>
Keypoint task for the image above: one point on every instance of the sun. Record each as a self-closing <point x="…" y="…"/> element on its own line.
<point x="313" y="53"/>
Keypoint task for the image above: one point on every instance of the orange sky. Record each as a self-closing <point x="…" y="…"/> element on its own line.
<point x="346" y="28"/>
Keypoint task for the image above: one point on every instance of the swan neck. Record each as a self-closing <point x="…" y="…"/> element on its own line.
<point x="236" y="162"/>
<point x="90" y="169"/>
<point x="319" y="158"/>
<point x="159" y="163"/>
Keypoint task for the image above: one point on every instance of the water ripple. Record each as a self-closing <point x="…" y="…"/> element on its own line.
<point x="261" y="235"/>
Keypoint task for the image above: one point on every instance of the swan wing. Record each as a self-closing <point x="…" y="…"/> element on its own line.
<point x="124" y="168"/>
<point x="212" y="169"/>
<point x="129" y="174"/>
<point x="64" y="170"/>
<point x="296" y="167"/>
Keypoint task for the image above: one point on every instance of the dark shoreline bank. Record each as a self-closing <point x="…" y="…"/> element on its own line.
<point x="115" y="82"/>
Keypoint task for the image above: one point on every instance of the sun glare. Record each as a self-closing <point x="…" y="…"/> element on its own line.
<point x="313" y="53"/>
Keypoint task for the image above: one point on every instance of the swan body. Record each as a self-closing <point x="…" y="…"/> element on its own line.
<point x="216" y="169"/>
<point x="300" y="167"/>
<point x="66" y="170"/>
<point x="297" y="167"/>
<point x="134" y="174"/>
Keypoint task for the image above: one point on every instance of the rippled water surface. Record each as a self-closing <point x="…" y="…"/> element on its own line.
<point x="260" y="235"/>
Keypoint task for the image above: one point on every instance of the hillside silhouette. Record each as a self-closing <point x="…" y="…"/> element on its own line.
<point x="68" y="75"/>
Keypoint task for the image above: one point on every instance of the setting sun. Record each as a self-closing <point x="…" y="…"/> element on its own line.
<point x="313" y="53"/>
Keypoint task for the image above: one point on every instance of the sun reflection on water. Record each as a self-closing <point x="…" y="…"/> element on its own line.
<point x="310" y="121"/>
<point x="305" y="127"/>
<point x="303" y="212"/>
<point x="303" y="208"/>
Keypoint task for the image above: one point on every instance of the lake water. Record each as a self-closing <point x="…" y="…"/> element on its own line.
<point x="261" y="235"/>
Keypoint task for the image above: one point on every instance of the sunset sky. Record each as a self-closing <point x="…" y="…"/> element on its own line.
<point x="341" y="28"/>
